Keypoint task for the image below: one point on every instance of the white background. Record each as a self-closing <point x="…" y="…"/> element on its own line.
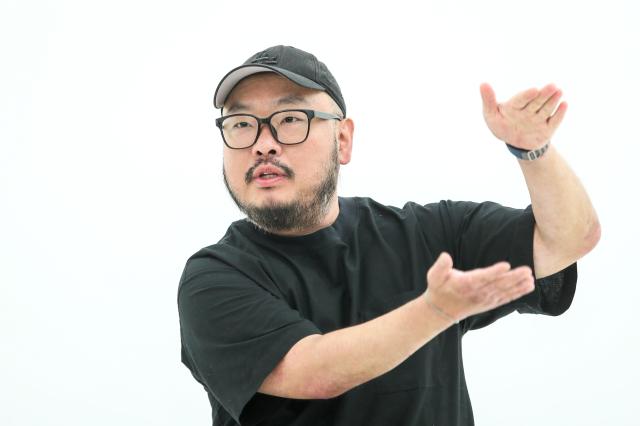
<point x="110" y="178"/>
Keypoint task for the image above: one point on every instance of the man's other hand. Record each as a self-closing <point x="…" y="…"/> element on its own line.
<point x="460" y="294"/>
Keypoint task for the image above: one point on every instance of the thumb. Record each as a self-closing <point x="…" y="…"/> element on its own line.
<point x="489" y="103"/>
<point x="440" y="268"/>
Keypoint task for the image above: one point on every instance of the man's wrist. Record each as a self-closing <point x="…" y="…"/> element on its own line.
<point x="523" y="154"/>
<point x="435" y="312"/>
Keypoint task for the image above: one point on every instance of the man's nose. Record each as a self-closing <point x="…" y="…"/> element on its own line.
<point x="266" y="143"/>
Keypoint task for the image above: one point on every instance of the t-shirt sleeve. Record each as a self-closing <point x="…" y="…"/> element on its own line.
<point x="478" y="235"/>
<point x="233" y="331"/>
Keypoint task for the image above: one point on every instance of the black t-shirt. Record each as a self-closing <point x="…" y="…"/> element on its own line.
<point x="245" y="301"/>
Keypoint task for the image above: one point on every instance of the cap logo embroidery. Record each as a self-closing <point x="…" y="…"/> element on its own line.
<point x="264" y="58"/>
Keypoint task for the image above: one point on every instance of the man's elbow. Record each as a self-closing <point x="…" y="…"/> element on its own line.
<point x="327" y="390"/>
<point x="573" y="244"/>
<point x="323" y="385"/>
<point x="302" y="374"/>
<point x="580" y="240"/>
<point x="318" y="386"/>
<point x="592" y="237"/>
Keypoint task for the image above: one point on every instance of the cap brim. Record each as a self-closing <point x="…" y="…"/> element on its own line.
<point x="234" y="76"/>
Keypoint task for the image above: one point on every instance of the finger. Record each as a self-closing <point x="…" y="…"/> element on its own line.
<point x="515" y="291"/>
<point x="506" y="281"/>
<point x="522" y="99"/>
<point x="440" y="268"/>
<point x="481" y="276"/>
<point x="489" y="103"/>
<point x="555" y="120"/>
<point x="543" y="96"/>
<point x="514" y="276"/>
<point x="547" y="109"/>
<point x="522" y="288"/>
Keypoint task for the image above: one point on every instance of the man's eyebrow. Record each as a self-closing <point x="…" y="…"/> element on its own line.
<point x="236" y="107"/>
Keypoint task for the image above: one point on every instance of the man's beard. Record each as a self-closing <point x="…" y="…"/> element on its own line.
<point x="298" y="214"/>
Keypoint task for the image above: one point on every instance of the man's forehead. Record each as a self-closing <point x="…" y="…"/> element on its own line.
<point x="290" y="99"/>
<point x="268" y="88"/>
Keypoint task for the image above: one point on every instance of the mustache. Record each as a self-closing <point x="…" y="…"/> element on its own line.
<point x="248" y="177"/>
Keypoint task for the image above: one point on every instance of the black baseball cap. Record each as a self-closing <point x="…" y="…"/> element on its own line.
<point x="297" y="65"/>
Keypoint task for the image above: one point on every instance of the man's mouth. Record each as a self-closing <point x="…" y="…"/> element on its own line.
<point x="268" y="172"/>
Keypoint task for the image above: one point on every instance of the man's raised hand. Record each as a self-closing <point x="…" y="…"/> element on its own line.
<point x="526" y="121"/>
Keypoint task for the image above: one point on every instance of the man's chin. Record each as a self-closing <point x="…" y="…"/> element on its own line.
<point x="268" y="198"/>
<point x="278" y="216"/>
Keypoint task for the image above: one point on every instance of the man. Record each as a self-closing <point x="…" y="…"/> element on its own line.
<point x="315" y="310"/>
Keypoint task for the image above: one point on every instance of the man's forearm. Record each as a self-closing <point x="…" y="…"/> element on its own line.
<point x="325" y="366"/>
<point x="567" y="225"/>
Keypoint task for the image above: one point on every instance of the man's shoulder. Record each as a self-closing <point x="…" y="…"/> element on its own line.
<point x="369" y="205"/>
<point x="228" y="247"/>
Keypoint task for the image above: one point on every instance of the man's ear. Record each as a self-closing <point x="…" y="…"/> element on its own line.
<point x="345" y="140"/>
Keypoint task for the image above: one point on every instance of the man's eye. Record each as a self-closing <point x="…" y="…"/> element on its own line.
<point x="241" y="125"/>
<point x="289" y="120"/>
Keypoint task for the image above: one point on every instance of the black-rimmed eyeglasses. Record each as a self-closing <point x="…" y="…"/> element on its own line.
<point x="289" y="127"/>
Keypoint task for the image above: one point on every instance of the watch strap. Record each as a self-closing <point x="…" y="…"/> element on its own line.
<point x="523" y="154"/>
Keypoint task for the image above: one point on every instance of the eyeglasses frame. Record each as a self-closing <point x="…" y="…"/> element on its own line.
<point x="310" y="113"/>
